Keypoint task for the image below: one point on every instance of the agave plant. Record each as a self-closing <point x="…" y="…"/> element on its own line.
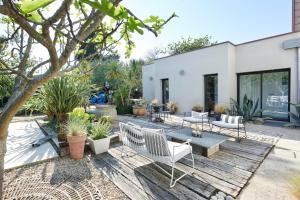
<point x="295" y="116"/>
<point x="248" y="109"/>
<point x="62" y="95"/>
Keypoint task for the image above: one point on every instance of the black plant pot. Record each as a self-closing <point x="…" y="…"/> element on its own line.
<point x="156" y="109"/>
<point x="218" y="116"/>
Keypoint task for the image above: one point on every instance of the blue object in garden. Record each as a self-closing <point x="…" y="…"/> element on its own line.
<point x="94" y="100"/>
<point x="102" y="98"/>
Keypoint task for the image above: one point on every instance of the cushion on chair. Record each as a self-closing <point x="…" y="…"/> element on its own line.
<point x="226" y="125"/>
<point x="178" y="152"/>
<point x="199" y="115"/>
<point x="230" y="119"/>
<point x="156" y="142"/>
<point x="134" y="134"/>
<point x="192" y="120"/>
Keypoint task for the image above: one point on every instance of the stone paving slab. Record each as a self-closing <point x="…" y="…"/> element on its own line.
<point x="19" y="149"/>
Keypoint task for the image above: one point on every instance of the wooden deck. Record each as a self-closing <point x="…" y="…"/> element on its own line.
<point x="228" y="171"/>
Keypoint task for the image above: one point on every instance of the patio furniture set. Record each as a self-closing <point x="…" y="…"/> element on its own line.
<point x="157" y="113"/>
<point x="153" y="143"/>
<point x="226" y="122"/>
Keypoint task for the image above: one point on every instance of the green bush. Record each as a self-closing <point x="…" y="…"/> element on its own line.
<point x="79" y="114"/>
<point x="100" y="130"/>
<point x="62" y="95"/>
<point x="295" y="116"/>
<point x="34" y="104"/>
<point x="106" y="119"/>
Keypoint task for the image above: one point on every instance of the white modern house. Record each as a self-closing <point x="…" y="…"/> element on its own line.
<point x="267" y="69"/>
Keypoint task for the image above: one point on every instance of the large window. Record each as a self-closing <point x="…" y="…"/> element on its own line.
<point x="211" y="91"/>
<point x="271" y="88"/>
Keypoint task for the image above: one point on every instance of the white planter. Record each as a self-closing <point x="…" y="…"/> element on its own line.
<point x="99" y="146"/>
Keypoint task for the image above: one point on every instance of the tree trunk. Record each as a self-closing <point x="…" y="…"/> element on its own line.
<point x="2" y="154"/>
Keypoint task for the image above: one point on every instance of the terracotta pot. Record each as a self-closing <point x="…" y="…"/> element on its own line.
<point x="76" y="146"/>
<point x="139" y="110"/>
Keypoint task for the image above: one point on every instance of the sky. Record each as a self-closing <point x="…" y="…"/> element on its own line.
<point x="237" y="21"/>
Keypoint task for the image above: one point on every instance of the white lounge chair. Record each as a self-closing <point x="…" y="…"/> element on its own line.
<point x="197" y="118"/>
<point x="231" y="122"/>
<point x="152" y="144"/>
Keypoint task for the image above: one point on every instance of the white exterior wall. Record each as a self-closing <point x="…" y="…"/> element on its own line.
<point x="224" y="59"/>
<point x="269" y="54"/>
<point x="148" y="73"/>
<point x="188" y="89"/>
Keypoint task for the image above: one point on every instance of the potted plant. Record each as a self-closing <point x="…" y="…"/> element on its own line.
<point x="197" y="108"/>
<point x="98" y="137"/>
<point x="218" y="110"/>
<point x="139" y="107"/>
<point x="172" y="107"/>
<point x="76" y="136"/>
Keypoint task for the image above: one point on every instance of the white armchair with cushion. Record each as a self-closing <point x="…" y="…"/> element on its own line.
<point x="197" y="118"/>
<point x="153" y="144"/>
<point x="231" y="122"/>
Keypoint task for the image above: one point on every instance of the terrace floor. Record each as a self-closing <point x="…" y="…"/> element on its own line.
<point x="258" y="168"/>
<point x="227" y="171"/>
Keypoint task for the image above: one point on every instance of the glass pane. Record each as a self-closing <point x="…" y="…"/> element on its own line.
<point x="211" y="91"/>
<point x="165" y="91"/>
<point x="250" y="85"/>
<point x="275" y="95"/>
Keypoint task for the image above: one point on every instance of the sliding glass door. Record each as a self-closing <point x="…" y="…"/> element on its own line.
<point x="275" y="95"/>
<point x="270" y="88"/>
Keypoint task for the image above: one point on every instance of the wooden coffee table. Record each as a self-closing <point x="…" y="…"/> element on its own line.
<point x="208" y="143"/>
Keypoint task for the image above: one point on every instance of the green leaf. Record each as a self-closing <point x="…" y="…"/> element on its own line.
<point x="28" y="6"/>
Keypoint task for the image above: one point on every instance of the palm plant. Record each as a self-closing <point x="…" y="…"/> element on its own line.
<point x="248" y="109"/>
<point x="295" y="116"/>
<point x="62" y="95"/>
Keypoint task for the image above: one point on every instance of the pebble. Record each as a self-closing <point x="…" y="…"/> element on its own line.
<point x="229" y="198"/>
<point x="213" y="198"/>
<point x="222" y="194"/>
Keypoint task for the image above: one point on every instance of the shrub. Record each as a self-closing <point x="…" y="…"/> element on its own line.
<point x="76" y="127"/>
<point x="34" y="104"/>
<point x="172" y="107"/>
<point x="248" y="109"/>
<point x="295" y="116"/>
<point x="100" y="130"/>
<point x="219" y="108"/>
<point x="197" y="108"/>
<point x="106" y="119"/>
<point x="79" y="114"/>
<point x="62" y="95"/>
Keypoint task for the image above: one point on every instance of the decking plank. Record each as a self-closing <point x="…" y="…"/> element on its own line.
<point x="228" y="170"/>
<point x="190" y="182"/>
<point x="125" y="184"/>
<point x="255" y="150"/>
<point x="236" y="161"/>
<point x="143" y="184"/>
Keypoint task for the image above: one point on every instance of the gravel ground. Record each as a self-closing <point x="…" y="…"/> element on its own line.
<point x="50" y="178"/>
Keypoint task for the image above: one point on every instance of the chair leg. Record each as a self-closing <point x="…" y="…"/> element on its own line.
<point x="123" y="151"/>
<point x="182" y="123"/>
<point x="239" y="135"/>
<point x="245" y="132"/>
<point x="172" y="183"/>
<point x="202" y="125"/>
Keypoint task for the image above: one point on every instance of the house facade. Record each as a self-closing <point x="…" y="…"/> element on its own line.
<point x="266" y="70"/>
